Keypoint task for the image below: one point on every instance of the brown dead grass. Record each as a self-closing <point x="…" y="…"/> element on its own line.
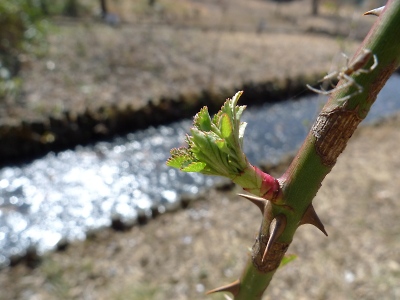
<point x="153" y="54"/>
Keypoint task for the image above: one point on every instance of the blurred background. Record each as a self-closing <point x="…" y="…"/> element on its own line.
<point x="94" y="94"/>
<point x="59" y="56"/>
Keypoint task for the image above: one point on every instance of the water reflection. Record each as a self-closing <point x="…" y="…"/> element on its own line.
<point x="64" y="196"/>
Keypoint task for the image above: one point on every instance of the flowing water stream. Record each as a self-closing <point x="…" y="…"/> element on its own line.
<point x="61" y="197"/>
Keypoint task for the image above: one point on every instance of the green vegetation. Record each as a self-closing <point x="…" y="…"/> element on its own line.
<point x="23" y="30"/>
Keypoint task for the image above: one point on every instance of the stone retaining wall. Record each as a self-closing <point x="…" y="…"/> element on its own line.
<point x="29" y="140"/>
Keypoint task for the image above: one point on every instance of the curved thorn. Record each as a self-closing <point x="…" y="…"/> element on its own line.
<point x="375" y="12"/>
<point x="311" y="217"/>
<point x="277" y="226"/>
<point x="231" y="288"/>
<point x="260" y="202"/>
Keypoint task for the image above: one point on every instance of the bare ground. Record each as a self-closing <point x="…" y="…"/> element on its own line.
<point x="201" y="46"/>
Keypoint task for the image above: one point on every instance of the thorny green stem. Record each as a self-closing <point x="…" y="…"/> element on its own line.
<point x="324" y="143"/>
<point x="292" y="194"/>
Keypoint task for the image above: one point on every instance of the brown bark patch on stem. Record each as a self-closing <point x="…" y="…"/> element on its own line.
<point x="273" y="257"/>
<point x="332" y="130"/>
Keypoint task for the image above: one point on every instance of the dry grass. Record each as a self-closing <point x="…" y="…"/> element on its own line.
<point x="229" y="43"/>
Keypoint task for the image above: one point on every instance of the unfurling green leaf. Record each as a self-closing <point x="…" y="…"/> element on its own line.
<point x="194" y="167"/>
<point x="215" y="145"/>
<point x="226" y="126"/>
<point x="202" y="120"/>
<point x="178" y="157"/>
